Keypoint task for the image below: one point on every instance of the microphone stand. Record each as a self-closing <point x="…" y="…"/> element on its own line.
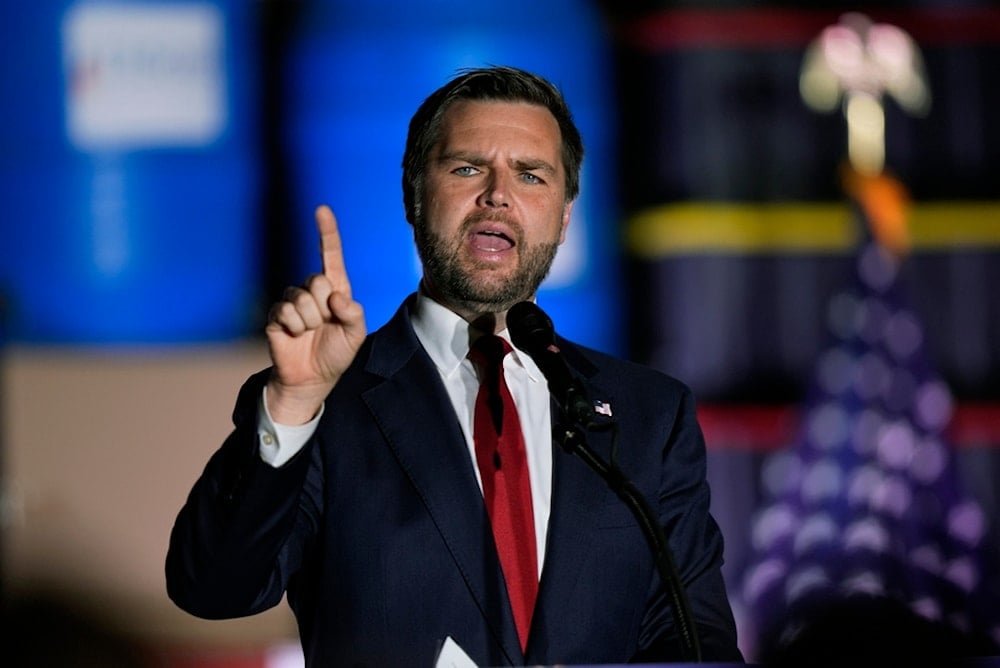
<point x="573" y="441"/>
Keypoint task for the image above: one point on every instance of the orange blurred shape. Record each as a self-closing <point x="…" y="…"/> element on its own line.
<point x="886" y="204"/>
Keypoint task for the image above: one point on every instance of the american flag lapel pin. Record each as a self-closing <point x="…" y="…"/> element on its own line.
<point x="602" y="408"/>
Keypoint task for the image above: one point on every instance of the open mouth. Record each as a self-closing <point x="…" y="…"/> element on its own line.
<point x="492" y="241"/>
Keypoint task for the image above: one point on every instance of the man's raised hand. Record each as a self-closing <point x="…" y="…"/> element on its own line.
<point x="313" y="333"/>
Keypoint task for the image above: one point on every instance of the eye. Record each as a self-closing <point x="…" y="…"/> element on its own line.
<point x="466" y="170"/>
<point x="528" y="177"/>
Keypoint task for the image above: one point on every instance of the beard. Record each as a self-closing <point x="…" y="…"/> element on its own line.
<point x="479" y="286"/>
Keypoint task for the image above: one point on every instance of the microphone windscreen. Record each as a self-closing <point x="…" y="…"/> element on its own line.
<point x="530" y="328"/>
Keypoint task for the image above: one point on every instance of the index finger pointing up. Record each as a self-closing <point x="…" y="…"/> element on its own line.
<point x="331" y="250"/>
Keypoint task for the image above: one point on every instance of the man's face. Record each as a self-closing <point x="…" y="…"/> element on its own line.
<point x="494" y="206"/>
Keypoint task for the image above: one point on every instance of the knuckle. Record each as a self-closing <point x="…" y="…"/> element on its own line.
<point x="315" y="281"/>
<point x="301" y="300"/>
<point x="285" y="311"/>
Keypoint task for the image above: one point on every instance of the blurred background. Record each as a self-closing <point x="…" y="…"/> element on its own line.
<point x="838" y="322"/>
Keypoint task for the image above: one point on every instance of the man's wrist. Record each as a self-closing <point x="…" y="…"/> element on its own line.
<point x="293" y="406"/>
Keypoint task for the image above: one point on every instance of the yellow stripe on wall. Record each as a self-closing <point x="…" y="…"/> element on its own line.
<point x="799" y="227"/>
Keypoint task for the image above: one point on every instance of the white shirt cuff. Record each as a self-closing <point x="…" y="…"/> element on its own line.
<point x="280" y="442"/>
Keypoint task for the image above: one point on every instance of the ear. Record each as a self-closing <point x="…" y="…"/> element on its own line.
<point x="567" y="211"/>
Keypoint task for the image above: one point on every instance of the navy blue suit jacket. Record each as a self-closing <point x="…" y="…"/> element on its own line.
<point x="378" y="532"/>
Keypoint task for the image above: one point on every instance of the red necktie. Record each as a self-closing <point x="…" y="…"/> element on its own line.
<point x="503" y="466"/>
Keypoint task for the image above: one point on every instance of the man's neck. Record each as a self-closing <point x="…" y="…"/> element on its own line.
<point x="480" y="319"/>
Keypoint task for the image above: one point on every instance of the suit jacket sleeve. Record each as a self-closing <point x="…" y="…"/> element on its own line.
<point x="245" y="524"/>
<point x="697" y="547"/>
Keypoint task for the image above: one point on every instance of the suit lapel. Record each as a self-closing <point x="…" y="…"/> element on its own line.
<point x="430" y="447"/>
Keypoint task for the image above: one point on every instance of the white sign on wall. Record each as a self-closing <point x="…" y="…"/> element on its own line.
<point x="144" y="75"/>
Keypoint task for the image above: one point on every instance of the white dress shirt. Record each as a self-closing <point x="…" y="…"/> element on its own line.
<point x="445" y="337"/>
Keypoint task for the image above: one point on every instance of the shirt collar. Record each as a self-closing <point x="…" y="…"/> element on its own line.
<point x="445" y="336"/>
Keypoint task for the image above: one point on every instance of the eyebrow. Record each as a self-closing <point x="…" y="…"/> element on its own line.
<point x="526" y="164"/>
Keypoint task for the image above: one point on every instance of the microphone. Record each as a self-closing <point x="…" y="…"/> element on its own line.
<point x="531" y="330"/>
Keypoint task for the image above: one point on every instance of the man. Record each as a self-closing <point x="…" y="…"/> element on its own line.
<point x="359" y="479"/>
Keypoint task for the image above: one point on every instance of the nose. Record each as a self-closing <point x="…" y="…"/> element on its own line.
<point x="495" y="194"/>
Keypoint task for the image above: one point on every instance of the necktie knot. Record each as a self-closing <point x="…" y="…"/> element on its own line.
<point x="487" y="352"/>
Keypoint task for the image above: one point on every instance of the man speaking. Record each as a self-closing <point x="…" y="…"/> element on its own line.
<point x="403" y="487"/>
